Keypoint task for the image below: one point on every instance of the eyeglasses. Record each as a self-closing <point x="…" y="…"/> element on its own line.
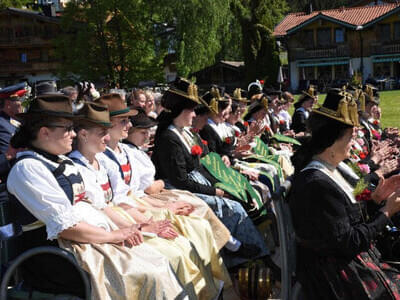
<point x="67" y="128"/>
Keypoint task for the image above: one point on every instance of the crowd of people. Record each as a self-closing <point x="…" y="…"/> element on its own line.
<point x="125" y="183"/>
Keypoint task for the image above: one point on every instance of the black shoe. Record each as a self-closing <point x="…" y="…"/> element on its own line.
<point x="246" y="251"/>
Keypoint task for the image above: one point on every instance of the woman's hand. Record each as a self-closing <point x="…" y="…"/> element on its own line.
<point x="388" y="167"/>
<point x="129" y="235"/>
<point x="392" y="205"/>
<point x="155" y="188"/>
<point x="161" y="228"/>
<point x="385" y="188"/>
<point x="180" y="207"/>
<point x="219" y="192"/>
<point x="226" y="161"/>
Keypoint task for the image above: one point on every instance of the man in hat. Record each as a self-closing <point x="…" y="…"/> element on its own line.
<point x="9" y="107"/>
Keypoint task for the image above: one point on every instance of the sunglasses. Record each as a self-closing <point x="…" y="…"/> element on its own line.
<point x="67" y="128"/>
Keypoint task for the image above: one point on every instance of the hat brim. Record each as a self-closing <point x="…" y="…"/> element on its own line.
<point x="98" y="123"/>
<point x="182" y="94"/>
<point x="127" y="112"/>
<point x="331" y="116"/>
<point x="65" y="115"/>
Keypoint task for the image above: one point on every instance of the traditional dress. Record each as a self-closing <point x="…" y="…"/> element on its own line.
<point x="116" y="272"/>
<point x="336" y="258"/>
<point x="180" y="169"/>
<point x="194" y="229"/>
<point x="145" y="173"/>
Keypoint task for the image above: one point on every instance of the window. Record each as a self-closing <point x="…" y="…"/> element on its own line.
<point x="384" y="32"/>
<point x="324" y="36"/>
<point x="397" y="31"/>
<point x="308" y="38"/>
<point x="339" y="35"/>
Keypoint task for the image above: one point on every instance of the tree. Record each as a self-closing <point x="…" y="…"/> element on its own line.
<point x="303" y="5"/>
<point x="199" y="25"/>
<point x="113" y="40"/>
<point x="257" y="19"/>
<point x="13" y="3"/>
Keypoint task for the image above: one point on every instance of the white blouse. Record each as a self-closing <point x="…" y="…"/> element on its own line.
<point x="144" y="169"/>
<point x="120" y="188"/>
<point x="33" y="184"/>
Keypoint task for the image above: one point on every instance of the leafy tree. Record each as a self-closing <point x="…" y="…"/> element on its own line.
<point x="199" y="25"/>
<point x="303" y="5"/>
<point x="257" y="19"/>
<point x="110" y="39"/>
<point x="13" y="3"/>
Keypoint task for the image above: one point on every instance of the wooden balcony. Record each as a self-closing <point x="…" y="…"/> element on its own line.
<point x="27" y="41"/>
<point x="338" y="51"/>
<point x="393" y="48"/>
<point x="33" y="67"/>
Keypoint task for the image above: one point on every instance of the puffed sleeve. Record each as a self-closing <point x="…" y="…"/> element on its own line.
<point x="173" y="160"/>
<point x="120" y="189"/>
<point x="334" y="218"/>
<point x="36" y="188"/>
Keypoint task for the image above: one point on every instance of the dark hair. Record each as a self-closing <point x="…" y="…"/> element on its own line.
<point x="29" y="129"/>
<point x="324" y="133"/>
<point x="235" y="106"/>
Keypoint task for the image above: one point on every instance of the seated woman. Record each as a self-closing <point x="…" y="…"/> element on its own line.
<point x="92" y="135"/>
<point x="52" y="194"/>
<point x="336" y="256"/>
<point x="178" y="201"/>
<point x="118" y="161"/>
<point x="303" y="107"/>
<point x="217" y="135"/>
<point x="180" y="168"/>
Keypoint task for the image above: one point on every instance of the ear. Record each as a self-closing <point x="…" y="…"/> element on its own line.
<point x="44" y="133"/>
<point x="83" y="134"/>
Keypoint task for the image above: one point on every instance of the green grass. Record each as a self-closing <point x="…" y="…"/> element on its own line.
<point x="390" y="106"/>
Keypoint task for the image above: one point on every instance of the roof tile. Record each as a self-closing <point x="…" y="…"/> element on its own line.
<point x="352" y="15"/>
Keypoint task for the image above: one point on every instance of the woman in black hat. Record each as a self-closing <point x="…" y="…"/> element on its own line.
<point x="219" y="139"/>
<point x="336" y="257"/>
<point x="176" y="157"/>
<point x="303" y="107"/>
<point x="52" y="205"/>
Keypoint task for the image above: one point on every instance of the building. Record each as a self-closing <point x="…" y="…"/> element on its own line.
<point x="26" y="48"/>
<point x="326" y="47"/>
<point x="224" y="73"/>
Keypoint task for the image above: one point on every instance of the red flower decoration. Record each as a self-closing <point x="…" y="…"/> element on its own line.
<point x="237" y="133"/>
<point x="196" y="150"/>
<point x="376" y="122"/>
<point x="363" y="155"/>
<point x="376" y="134"/>
<point x="228" y="140"/>
<point x="246" y="124"/>
<point x="262" y="81"/>
<point x="204" y="142"/>
<point x="364" y="196"/>
<point x="194" y="130"/>
<point x="282" y="122"/>
<point x="266" y="128"/>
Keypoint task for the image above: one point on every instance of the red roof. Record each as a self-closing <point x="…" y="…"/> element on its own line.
<point x="355" y="16"/>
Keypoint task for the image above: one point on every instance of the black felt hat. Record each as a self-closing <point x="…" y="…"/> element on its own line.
<point x="141" y="120"/>
<point x="340" y="106"/>
<point x="181" y="94"/>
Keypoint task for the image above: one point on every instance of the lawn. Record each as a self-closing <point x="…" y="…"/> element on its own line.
<point x="390" y="105"/>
